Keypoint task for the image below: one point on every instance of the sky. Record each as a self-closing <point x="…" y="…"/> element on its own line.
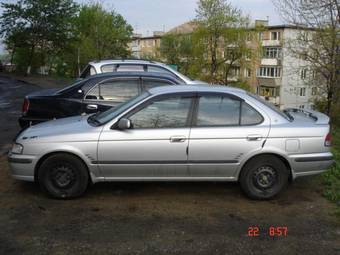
<point x="147" y="16"/>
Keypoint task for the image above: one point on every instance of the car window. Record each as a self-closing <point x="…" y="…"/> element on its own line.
<point x="115" y="90"/>
<point x="215" y="110"/>
<point x="149" y="83"/>
<point x="88" y="71"/>
<point x="249" y="116"/>
<point x="108" y="68"/>
<point x="130" y="68"/>
<point x="164" y="113"/>
<point x="158" y="69"/>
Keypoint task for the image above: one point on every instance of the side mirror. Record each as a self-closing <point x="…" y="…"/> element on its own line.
<point x="124" y="124"/>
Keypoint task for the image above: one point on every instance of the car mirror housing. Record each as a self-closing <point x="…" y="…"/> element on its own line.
<point x="124" y="124"/>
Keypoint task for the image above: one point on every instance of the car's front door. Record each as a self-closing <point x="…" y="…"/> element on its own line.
<point x="155" y="146"/>
<point x="109" y="93"/>
<point x="225" y="130"/>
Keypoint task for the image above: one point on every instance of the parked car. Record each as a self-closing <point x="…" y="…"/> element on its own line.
<point x="134" y="65"/>
<point x="176" y="133"/>
<point x="96" y="93"/>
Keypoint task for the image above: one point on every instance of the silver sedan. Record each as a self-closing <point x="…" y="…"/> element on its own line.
<point x="176" y="133"/>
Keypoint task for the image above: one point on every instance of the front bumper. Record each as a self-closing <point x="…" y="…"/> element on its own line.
<point x="22" y="166"/>
<point x="310" y="164"/>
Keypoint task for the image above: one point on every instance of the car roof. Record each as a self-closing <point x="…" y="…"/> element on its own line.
<point x="195" y="88"/>
<point x="133" y="74"/>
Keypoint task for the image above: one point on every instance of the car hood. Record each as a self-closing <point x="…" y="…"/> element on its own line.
<point x="60" y="130"/>
<point x="44" y="92"/>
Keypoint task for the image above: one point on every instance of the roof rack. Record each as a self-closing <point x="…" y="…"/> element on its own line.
<point x="123" y="59"/>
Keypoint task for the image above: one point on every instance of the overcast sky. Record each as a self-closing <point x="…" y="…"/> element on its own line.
<point x="147" y="16"/>
<point x="152" y="15"/>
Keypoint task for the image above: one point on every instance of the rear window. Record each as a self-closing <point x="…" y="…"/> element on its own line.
<point x="88" y="71"/>
<point x="270" y="105"/>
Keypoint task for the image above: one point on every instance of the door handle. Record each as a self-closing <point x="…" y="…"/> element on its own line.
<point x="254" y="137"/>
<point x="92" y="107"/>
<point x="177" y="139"/>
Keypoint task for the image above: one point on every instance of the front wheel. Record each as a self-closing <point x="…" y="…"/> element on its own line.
<point x="63" y="176"/>
<point x="264" y="177"/>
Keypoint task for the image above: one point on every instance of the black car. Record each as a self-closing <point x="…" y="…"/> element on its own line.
<point x="96" y="93"/>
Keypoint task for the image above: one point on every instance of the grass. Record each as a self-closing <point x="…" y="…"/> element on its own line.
<point x="331" y="178"/>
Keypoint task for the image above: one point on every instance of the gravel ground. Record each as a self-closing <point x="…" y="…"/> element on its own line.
<point x="155" y="218"/>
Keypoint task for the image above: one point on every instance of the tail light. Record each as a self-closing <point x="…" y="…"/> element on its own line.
<point x="328" y="140"/>
<point x="25" y="106"/>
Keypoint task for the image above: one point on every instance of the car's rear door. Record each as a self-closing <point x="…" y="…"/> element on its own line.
<point x="225" y="129"/>
<point x="155" y="146"/>
<point x="110" y="92"/>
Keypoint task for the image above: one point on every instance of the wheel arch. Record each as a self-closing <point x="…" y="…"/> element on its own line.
<point x="47" y="155"/>
<point x="279" y="156"/>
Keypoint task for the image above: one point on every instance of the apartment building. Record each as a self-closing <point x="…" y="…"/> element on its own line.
<point x="281" y="78"/>
<point x="147" y="46"/>
<point x="275" y="75"/>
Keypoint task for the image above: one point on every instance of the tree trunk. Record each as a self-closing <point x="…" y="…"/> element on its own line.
<point x="30" y="61"/>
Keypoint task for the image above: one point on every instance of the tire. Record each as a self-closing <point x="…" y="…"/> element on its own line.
<point x="63" y="176"/>
<point x="264" y="177"/>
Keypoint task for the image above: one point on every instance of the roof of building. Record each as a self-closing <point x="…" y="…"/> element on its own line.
<point x="185" y="28"/>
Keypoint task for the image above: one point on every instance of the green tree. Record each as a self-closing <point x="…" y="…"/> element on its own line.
<point x="220" y="39"/>
<point x="37" y="28"/>
<point x="101" y="34"/>
<point x="178" y="49"/>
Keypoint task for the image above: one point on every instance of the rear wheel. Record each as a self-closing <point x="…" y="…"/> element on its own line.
<point x="264" y="177"/>
<point x="63" y="176"/>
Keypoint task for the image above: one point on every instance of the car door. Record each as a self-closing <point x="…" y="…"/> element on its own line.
<point x="155" y="146"/>
<point x="109" y="93"/>
<point x="225" y="130"/>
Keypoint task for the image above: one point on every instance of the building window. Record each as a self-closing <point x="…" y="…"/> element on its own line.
<point x="314" y="91"/>
<point x="302" y="106"/>
<point x="303" y="74"/>
<point x="302" y="92"/>
<point x="269" y="72"/>
<point x="260" y="36"/>
<point x="268" y="92"/>
<point x="275" y="35"/>
<point x="248" y="72"/>
<point x="272" y="52"/>
<point x="234" y="71"/>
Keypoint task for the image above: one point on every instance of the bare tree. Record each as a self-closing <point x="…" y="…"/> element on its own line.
<point x="316" y="42"/>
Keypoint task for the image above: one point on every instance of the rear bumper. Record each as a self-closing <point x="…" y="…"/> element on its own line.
<point x="22" y="166"/>
<point x="310" y="164"/>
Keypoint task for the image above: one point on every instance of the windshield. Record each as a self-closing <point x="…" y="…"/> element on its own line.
<point x="101" y="118"/>
<point x="271" y="106"/>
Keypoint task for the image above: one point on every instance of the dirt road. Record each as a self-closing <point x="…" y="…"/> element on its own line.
<point x="155" y="218"/>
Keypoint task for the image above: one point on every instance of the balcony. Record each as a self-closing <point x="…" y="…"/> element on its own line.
<point x="270" y="62"/>
<point x="268" y="43"/>
<point x="269" y="81"/>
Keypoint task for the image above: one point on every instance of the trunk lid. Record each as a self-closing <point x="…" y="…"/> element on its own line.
<point x="310" y="116"/>
<point x="43" y="92"/>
